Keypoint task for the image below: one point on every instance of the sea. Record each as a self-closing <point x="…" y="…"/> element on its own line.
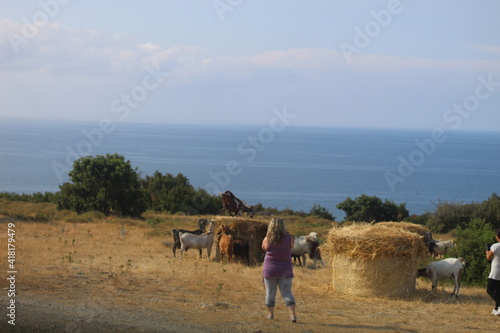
<point x="276" y="166"/>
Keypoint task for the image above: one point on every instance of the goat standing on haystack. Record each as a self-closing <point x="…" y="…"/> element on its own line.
<point x="234" y="205"/>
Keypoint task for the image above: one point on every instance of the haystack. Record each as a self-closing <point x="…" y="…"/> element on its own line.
<point x="374" y="260"/>
<point x="411" y="227"/>
<point x="250" y="231"/>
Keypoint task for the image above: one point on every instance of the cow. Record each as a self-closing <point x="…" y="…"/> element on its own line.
<point x="192" y="241"/>
<point x="439" y="248"/>
<point x="307" y="245"/>
<point x="226" y="243"/>
<point x="446" y="268"/>
<point x="202" y="223"/>
<point x="234" y="205"/>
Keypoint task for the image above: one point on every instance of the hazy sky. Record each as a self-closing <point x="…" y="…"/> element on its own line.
<point x="398" y="64"/>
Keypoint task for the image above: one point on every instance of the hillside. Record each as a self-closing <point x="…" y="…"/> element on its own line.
<point x="117" y="275"/>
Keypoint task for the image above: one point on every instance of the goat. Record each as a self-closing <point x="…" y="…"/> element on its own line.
<point x="203" y="241"/>
<point x="439" y="248"/>
<point x="317" y="254"/>
<point x="202" y="223"/>
<point x="234" y="205"/>
<point x="307" y="245"/>
<point x="226" y="244"/>
<point x="446" y="268"/>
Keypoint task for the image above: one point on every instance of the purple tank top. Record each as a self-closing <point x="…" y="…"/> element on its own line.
<point x="278" y="260"/>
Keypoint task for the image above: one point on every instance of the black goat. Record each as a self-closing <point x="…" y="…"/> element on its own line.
<point x="202" y="223"/>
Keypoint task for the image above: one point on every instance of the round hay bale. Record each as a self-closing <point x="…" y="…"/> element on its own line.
<point x="411" y="227"/>
<point x="249" y="232"/>
<point x="374" y="260"/>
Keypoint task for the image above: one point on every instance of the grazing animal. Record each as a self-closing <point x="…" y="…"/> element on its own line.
<point x="226" y="244"/>
<point x="317" y="254"/>
<point x="234" y="205"/>
<point x="439" y="248"/>
<point x="192" y="241"/>
<point x="202" y="223"/>
<point x="295" y="258"/>
<point x="446" y="268"/>
<point x="307" y="245"/>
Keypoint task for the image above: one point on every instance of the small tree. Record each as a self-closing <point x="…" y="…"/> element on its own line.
<point x="321" y="212"/>
<point x="371" y="208"/>
<point x="490" y="210"/>
<point x="176" y="194"/>
<point x="471" y="243"/>
<point x="449" y="215"/>
<point x="105" y="184"/>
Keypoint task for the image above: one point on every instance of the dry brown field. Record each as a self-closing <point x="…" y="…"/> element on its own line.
<point x="113" y="276"/>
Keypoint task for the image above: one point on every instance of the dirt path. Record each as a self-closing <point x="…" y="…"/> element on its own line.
<point x="48" y="314"/>
<point x="83" y="314"/>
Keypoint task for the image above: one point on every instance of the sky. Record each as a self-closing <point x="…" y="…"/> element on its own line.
<point x="410" y="64"/>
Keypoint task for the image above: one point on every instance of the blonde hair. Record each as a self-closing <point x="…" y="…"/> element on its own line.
<point x="276" y="231"/>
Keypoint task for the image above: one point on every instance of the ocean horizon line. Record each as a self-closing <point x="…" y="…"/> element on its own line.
<point x="95" y="123"/>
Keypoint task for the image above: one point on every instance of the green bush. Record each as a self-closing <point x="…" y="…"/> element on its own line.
<point x="322" y="212"/>
<point x="419" y="219"/>
<point x="471" y="240"/>
<point x="174" y="194"/>
<point x="371" y="208"/>
<point x="104" y="183"/>
<point x="450" y="215"/>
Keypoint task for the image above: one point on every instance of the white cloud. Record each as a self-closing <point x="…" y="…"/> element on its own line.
<point x="63" y="51"/>
<point x="485" y="48"/>
<point x="78" y="73"/>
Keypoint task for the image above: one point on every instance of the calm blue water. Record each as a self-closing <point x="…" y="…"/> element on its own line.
<point x="295" y="167"/>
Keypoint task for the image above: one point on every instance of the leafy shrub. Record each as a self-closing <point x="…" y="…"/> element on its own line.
<point x="450" y="215"/>
<point x="369" y="208"/>
<point x="322" y="212"/>
<point x="104" y="183"/>
<point x="168" y="193"/>
<point x="419" y="219"/>
<point x="471" y="240"/>
<point x="154" y="221"/>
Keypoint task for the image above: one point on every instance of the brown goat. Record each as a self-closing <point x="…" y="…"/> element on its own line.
<point x="226" y="244"/>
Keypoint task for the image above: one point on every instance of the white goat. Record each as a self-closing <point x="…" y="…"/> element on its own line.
<point x="439" y="248"/>
<point x="203" y="241"/>
<point x="307" y="245"/>
<point x="446" y="268"/>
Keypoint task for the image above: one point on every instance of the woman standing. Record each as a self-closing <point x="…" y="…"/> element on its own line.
<point x="493" y="288"/>
<point x="278" y="270"/>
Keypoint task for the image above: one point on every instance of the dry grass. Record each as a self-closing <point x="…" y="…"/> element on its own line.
<point x="115" y="266"/>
